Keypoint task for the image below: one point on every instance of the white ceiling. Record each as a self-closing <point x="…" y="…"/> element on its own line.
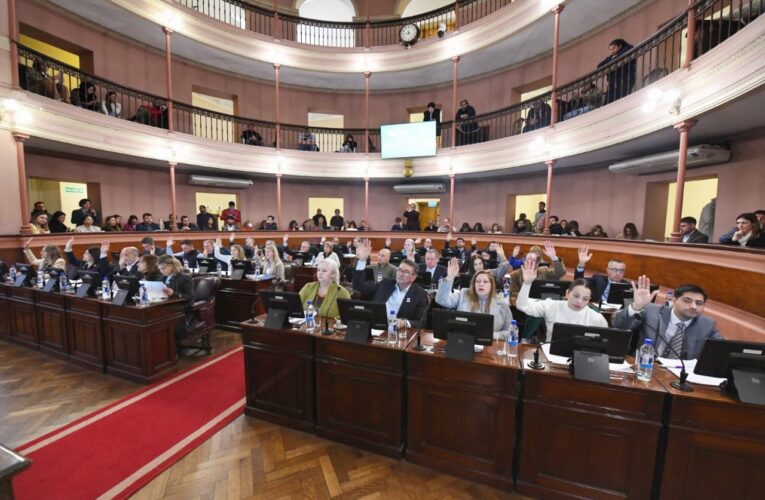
<point x="579" y="17"/>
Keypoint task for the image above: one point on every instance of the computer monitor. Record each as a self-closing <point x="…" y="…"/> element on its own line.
<point x="621" y="293"/>
<point x="302" y="256"/>
<point x="90" y="282"/>
<point x="746" y="378"/>
<point x="206" y="264"/>
<point x="465" y="279"/>
<point x="564" y="336"/>
<point x="549" y="289"/>
<point x="3" y="269"/>
<point x="127" y="287"/>
<point x="25" y="274"/>
<point x="362" y="310"/>
<point x="480" y="325"/>
<point x="52" y="283"/>
<point x="714" y="359"/>
<point x="241" y="268"/>
<point x="280" y="307"/>
<point x="425" y="280"/>
<point x="395" y="259"/>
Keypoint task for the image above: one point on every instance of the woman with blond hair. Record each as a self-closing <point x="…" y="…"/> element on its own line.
<point x="325" y="291"/>
<point x="270" y="263"/>
<point x="50" y="256"/>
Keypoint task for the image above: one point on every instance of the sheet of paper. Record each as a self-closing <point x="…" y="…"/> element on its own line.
<point x="675" y="367"/>
<point x="296" y="321"/>
<point x="562" y="360"/>
<point x="154" y="289"/>
<point x="376" y="332"/>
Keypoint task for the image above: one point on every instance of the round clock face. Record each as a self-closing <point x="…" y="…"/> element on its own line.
<point x="409" y="33"/>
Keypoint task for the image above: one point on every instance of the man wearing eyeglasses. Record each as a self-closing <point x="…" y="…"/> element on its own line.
<point x="600" y="284"/>
<point x="402" y="295"/>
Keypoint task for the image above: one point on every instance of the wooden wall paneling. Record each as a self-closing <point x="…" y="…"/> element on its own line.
<point x="85" y="331"/>
<point x="50" y="312"/>
<point x="22" y="317"/>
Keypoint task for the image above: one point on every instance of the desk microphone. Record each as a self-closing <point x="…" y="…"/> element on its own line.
<point x="418" y="346"/>
<point x="682" y="384"/>
<point x="536" y="364"/>
<point x="326" y="330"/>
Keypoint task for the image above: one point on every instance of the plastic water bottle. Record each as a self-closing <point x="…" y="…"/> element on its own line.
<point x="512" y="339"/>
<point x="506" y="289"/>
<point x="392" y="327"/>
<point x="645" y="361"/>
<point x="12" y="273"/>
<point x="379" y="276"/>
<point x="219" y="268"/>
<point x="144" y="295"/>
<point x="310" y="316"/>
<point x="257" y="269"/>
<point x="669" y="301"/>
<point x="185" y="264"/>
<point x="106" y="290"/>
<point x="40" y="279"/>
<point x="63" y="285"/>
<point x="313" y="261"/>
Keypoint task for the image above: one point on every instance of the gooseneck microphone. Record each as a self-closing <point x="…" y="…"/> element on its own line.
<point x="535" y="364"/>
<point x="326" y="330"/>
<point x="681" y="384"/>
<point x="418" y="346"/>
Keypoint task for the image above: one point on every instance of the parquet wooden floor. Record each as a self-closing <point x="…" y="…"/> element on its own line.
<point x="249" y="458"/>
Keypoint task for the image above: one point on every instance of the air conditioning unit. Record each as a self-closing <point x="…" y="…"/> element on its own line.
<point x="223" y="182"/>
<point x="419" y="188"/>
<point x="698" y="156"/>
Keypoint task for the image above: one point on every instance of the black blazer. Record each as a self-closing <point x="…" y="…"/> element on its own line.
<point x="598" y="283"/>
<point x="182" y="287"/>
<point x="435" y="116"/>
<point x="415" y="303"/>
<point x="107" y="269"/>
<point x="439" y="273"/>
<point x="697" y="237"/>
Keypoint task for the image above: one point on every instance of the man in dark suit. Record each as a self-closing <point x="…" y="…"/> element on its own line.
<point x="433" y="114"/>
<point x="690" y="233"/>
<point x="461" y="251"/>
<point x="150" y="247"/>
<point x="412" y="218"/>
<point x="675" y="329"/>
<point x="203" y="216"/>
<point x="127" y="265"/>
<point x="86" y="208"/>
<point x="148" y="224"/>
<point x="431" y="266"/>
<point x="402" y="295"/>
<point x="600" y="283"/>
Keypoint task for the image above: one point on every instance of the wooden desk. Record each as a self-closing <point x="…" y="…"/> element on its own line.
<point x="235" y="300"/>
<point x="462" y="415"/>
<point x="11" y="463"/>
<point x="5" y="320"/>
<point x="582" y="439"/>
<point x="715" y="445"/>
<point x="85" y="332"/>
<point x="50" y="320"/>
<point x="21" y="315"/>
<point x="140" y="340"/>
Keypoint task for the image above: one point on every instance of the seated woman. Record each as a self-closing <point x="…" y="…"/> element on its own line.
<point x="597" y="232"/>
<point x="87" y="226"/>
<point x="481" y="297"/>
<point x="495" y="229"/>
<point x="271" y="264"/>
<point x="747" y="233"/>
<point x="349" y="144"/>
<point x="50" y="256"/>
<point x="476" y="264"/>
<point x="408" y="252"/>
<point x="328" y="252"/>
<point x="179" y="286"/>
<point x="575" y="309"/>
<point x="478" y="227"/>
<point x="39" y="223"/>
<point x="465" y="228"/>
<point x="131" y="223"/>
<point x="629" y="232"/>
<point x="110" y="224"/>
<point x="237" y="253"/>
<point x="325" y="291"/>
<point x="147" y="268"/>
<point x="56" y="222"/>
<point x="90" y="256"/>
<point x="110" y="106"/>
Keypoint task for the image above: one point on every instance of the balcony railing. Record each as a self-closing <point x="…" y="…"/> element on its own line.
<point x="646" y="63"/>
<point x="333" y="34"/>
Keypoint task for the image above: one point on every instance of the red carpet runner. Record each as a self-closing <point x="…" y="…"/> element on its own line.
<point x="115" y="451"/>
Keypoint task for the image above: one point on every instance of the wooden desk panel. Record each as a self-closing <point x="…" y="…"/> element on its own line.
<point x="235" y="300"/>
<point x="50" y="311"/>
<point x="715" y="446"/>
<point x="280" y="380"/>
<point x="21" y="312"/>
<point x="462" y="415"/>
<point x="5" y="318"/>
<point x="583" y="439"/>
<point x="85" y="332"/>
<point x="360" y="393"/>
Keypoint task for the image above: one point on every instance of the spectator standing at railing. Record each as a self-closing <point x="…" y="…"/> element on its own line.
<point x="412" y="218"/>
<point x="467" y="128"/>
<point x="231" y="211"/>
<point x="433" y="114"/>
<point x="621" y="79"/>
<point x="110" y="106"/>
<point x="251" y="136"/>
<point x="540" y="115"/>
<point x="337" y="221"/>
<point x="349" y="144"/>
<point x="307" y="141"/>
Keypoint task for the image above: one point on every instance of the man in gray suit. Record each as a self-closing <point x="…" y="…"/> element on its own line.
<point x="679" y="327"/>
<point x="690" y="233"/>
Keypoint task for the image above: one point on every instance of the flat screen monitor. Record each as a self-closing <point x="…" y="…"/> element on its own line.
<point x="714" y="359"/>
<point x="302" y="256"/>
<point x="287" y="301"/>
<point x="206" y="264"/>
<point x="132" y="284"/>
<point x="241" y="268"/>
<point x="621" y="293"/>
<point x="425" y="280"/>
<point x="363" y="310"/>
<point x="447" y="321"/>
<point x="549" y="289"/>
<point x="90" y="283"/>
<point x="564" y="334"/>
<point x="408" y="140"/>
<point x="52" y="283"/>
<point x="26" y="270"/>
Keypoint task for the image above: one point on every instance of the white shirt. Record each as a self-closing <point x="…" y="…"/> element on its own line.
<point x="557" y="311"/>
<point x="396" y="299"/>
<point x="332" y="256"/>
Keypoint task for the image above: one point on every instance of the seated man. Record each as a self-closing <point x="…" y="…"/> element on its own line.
<point x="127" y="265"/>
<point x="398" y="225"/>
<point x="600" y="284"/>
<point x="148" y="224"/>
<point x="427" y="244"/>
<point x="187" y="255"/>
<point x="270" y="224"/>
<point x="408" y="300"/>
<point x="230" y="224"/>
<point x="305" y="247"/>
<point x="431" y="266"/>
<point x="690" y="233"/>
<point x="460" y="252"/>
<point x="677" y="329"/>
<point x="251" y="136"/>
<point x="383" y="269"/>
<point x="544" y="272"/>
<point x="150" y="248"/>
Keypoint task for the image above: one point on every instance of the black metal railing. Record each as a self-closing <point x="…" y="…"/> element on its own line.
<point x="646" y="63"/>
<point x="347" y="34"/>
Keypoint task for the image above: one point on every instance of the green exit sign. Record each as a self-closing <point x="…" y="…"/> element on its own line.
<point x="73" y="189"/>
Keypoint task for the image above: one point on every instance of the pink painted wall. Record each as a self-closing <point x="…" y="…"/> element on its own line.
<point x="140" y="67"/>
<point x="126" y="190"/>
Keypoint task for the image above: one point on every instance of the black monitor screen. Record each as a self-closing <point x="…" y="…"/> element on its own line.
<point x="621" y="293"/>
<point x="289" y="301"/>
<point x="206" y="264"/>
<point x="564" y="334"/>
<point x="478" y="324"/>
<point x="130" y="283"/>
<point x="362" y="310"/>
<point x="241" y="268"/>
<point x="302" y="256"/>
<point x="548" y="289"/>
<point x="715" y="355"/>
<point x="26" y="270"/>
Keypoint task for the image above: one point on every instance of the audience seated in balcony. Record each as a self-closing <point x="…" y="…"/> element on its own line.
<point x="621" y="79"/>
<point x="111" y="224"/>
<point x="554" y="225"/>
<point x="307" y="141"/>
<point x="597" y="232"/>
<point x="86" y="97"/>
<point x="57" y="222"/>
<point x="154" y="114"/>
<point x="398" y="225"/>
<point x="495" y="229"/>
<point x="251" y="137"/>
<point x="465" y="228"/>
<point x="432" y="226"/>
<point x="748" y="233"/>
<point x="110" y="106"/>
<point x="36" y="78"/>
<point x="349" y="144"/>
<point x="467" y="128"/>
<point x="540" y="116"/>
<point x="148" y="223"/>
<point x="690" y="233"/>
<point x="478" y="228"/>
<point x="131" y="224"/>
<point x="629" y="232"/>
<point x="39" y="223"/>
<point x="87" y="226"/>
<point x="86" y="208"/>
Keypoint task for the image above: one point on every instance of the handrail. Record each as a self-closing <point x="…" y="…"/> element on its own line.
<point x="649" y="61"/>
<point x="340" y="34"/>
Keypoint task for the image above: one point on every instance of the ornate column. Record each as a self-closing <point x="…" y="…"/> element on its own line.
<point x="367" y="74"/>
<point x="169" y="70"/>
<point x="22" y="172"/>
<point x="684" y="128"/>
<point x="173" y="207"/>
<point x="550" y="164"/>
<point x="690" y="39"/>
<point x="556" y="37"/>
<point x="277" y="105"/>
<point x="455" y="61"/>
<point x="278" y="199"/>
<point x="13" y="35"/>
<point x="451" y="199"/>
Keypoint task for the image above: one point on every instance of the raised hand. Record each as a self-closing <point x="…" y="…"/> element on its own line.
<point x="550" y="250"/>
<point x="642" y="294"/>
<point x="104" y="249"/>
<point x="453" y="269"/>
<point x="28" y="243"/>
<point x="218" y="242"/>
<point x="285" y="238"/>
<point x="474" y="242"/>
<point x="501" y="253"/>
<point x="323" y="239"/>
<point x="584" y="255"/>
<point x="418" y="241"/>
<point x="516" y="250"/>
<point x="169" y="243"/>
<point x="363" y="250"/>
<point x="529" y="270"/>
<point x="231" y="238"/>
<point x="387" y="242"/>
<point x="68" y="246"/>
<point x="449" y="236"/>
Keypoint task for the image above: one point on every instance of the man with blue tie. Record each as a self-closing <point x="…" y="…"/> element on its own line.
<point x="600" y="284"/>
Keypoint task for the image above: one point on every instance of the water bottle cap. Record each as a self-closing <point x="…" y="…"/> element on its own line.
<point x="309" y="302"/>
<point x="648" y="342"/>
<point x="514" y="323"/>
<point x="393" y="312"/>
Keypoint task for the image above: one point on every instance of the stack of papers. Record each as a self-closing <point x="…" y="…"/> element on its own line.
<point x="155" y="290"/>
<point x="675" y="367"/>
<point x="563" y="360"/>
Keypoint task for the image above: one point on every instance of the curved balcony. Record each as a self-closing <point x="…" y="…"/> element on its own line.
<point x="333" y="34"/>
